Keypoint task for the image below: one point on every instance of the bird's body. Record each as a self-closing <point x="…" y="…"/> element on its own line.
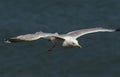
<point x="63" y="40"/>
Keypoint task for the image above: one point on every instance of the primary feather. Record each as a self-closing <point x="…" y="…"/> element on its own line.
<point x="78" y="33"/>
<point x="31" y="37"/>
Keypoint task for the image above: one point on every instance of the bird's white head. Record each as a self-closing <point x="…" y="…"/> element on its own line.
<point x="71" y="43"/>
<point x="76" y="44"/>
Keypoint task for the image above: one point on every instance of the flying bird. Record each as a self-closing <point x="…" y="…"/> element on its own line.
<point x="64" y="40"/>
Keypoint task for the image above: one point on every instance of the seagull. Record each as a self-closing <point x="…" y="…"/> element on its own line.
<point x="63" y="40"/>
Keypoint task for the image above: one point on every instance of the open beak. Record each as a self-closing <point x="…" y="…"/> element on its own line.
<point x="79" y="46"/>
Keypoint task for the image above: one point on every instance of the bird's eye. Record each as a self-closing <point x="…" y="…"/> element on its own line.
<point x="73" y="43"/>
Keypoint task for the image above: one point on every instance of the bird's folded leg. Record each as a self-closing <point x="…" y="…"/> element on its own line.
<point x="50" y="49"/>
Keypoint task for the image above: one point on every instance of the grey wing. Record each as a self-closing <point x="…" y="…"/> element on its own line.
<point x="82" y="32"/>
<point x="31" y="37"/>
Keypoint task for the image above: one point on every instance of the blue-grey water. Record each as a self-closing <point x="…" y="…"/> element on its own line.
<point x="99" y="57"/>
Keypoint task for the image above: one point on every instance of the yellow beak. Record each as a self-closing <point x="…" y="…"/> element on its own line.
<point x="79" y="46"/>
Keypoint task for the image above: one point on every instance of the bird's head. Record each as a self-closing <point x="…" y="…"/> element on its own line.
<point x="76" y="44"/>
<point x="72" y="43"/>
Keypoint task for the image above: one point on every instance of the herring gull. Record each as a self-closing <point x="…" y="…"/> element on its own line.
<point x="64" y="40"/>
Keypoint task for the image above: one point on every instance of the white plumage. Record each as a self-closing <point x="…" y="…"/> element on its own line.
<point x="64" y="40"/>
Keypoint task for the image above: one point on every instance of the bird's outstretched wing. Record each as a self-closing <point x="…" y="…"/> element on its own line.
<point x="31" y="37"/>
<point x="78" y="33"/>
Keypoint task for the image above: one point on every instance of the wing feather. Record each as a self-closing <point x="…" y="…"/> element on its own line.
<point x="82" y="32"/>
<point x="31" y="37"/>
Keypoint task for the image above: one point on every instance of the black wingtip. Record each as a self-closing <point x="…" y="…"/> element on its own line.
<point x="117" y="30"/>
<point x="6" y="40"/>
<point x="11" y="40"/>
